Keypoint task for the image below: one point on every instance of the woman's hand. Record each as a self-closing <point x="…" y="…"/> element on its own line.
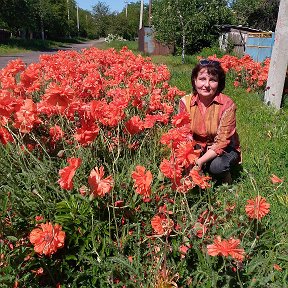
<point x="208" y="156"/>
<point x="198" y="164"/>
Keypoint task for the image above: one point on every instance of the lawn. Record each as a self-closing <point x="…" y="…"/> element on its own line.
<point x="80" y="138"/>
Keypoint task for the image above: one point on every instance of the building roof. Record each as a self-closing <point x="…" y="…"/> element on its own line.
<point x="228" y="27"/>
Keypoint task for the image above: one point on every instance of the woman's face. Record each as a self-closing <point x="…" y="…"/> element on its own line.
<point x="206" y="84"/>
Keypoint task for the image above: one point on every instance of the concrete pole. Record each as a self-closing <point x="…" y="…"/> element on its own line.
<point x="141" y="14"/>
<point x="68" y="17"/>
<point x="68" y="11"/>
<point x="78" y="25"/>
<point x="279" y="59"/>
<point x="150" y="12"/>
<point x="126" y="8"/>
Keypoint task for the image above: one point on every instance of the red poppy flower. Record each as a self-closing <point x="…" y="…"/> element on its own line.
<point x="86" y="134"/>
<point x="5" y="136"/>
<point x="58" y="96"/>
<point x="181" y="119"/>
<point x="134" y="125"/>
<point x="199" y="229"/>
<point x="56" y="133"/>
<point x="277" y="267"/>
<point x="175" y="136"/>
<point x="183" y="249"/>
<point x="226" y="248"/>
<point x="67" y="173"/>
<point x="171" y="170"/>
<point x="185" y="153"/>
<point x="161" y="224"/>
<point x="99" y="186"/>
<point x="26" y="116"/>
<point x="275" y="179"/>
<point x="47" y="239"/>
<point x="142" y="181"/>
<point x="199" y="179"/>
<point x="257" y="208"/>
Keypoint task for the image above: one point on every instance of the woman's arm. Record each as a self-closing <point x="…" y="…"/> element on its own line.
<point x="206" y="157"/>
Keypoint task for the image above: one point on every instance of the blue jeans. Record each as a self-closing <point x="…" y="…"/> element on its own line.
<point x="222" y="164"/>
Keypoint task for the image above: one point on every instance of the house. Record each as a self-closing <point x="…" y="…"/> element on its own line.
<point x="244" y="40"/>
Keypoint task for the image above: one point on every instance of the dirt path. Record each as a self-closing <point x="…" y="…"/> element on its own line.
<point x="33" y="56"/>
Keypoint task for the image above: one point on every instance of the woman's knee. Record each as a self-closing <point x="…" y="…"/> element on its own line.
<point x="218" y="166"/>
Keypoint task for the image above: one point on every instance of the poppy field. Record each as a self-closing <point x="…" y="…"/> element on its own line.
<point x="97" y="188"/>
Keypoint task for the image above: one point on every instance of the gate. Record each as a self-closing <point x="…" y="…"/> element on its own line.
<point x="259" y="45"/>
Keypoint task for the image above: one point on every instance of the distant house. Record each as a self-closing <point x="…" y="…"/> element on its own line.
<point x="244" y="40"/>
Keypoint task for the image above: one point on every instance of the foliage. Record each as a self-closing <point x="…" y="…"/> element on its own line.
<point x="128" y="26"/>
<point x="111" y="240"/>
<point x="45" y="19"/>
<point x="258" y="14"/>
<point x="189" y="23"/>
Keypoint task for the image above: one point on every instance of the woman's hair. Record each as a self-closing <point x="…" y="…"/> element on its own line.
<point x="213" y="68"/>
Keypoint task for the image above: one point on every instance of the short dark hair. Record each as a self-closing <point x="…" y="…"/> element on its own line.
<point x="213" y="68"/>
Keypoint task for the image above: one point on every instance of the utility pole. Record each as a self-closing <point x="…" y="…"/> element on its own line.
<point x="68" y="11"/>
<point x="279" y="59"/>
<point x="141" y="14"/>
<point x="78" y="25"/>
<point x="150" y="14"/>
<point x="126" y="2"/>
<point x="68" y="17"/>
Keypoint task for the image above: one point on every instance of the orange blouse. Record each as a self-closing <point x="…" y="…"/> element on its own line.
<point x="214" y="128"/>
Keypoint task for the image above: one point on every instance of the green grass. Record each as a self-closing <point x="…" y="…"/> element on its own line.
<point x="16" y="45"/>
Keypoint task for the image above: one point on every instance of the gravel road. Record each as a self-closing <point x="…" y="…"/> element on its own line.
<point x="31" y="57"/>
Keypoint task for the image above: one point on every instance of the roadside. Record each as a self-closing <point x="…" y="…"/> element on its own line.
<point x="33" y="56"/>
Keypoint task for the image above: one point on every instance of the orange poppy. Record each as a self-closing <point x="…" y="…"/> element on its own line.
<point x="226" y="248"/>
<point x="5" y="136"/>
<point x="257" y="208"/>
<point x="185" y="153"/>
<point x="56" y="133"/>
<point x="181" y="119"/>
<point x="199" y="229"/>
<point x="67" y="173"/>
<point x="171" y="170"/>
<point x="142" y="181"/>
<point x="134" y="125"/>
<point x="47" y="239"/>
<point x="200" y="180"/>
<point x="275" y="179"/>
<point x="99" y="186"/>
<point x="161" y="224"/>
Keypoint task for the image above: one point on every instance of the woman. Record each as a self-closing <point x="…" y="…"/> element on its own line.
<point x="213" y="120"/>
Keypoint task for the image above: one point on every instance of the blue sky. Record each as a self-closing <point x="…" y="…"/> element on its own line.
<point x="115" y="5"/>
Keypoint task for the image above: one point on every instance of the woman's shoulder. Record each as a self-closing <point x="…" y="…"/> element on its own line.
<point x="187" y="97"/>
<point x="226" y="100"/>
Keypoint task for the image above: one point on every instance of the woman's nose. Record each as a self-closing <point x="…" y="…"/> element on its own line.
<point x="206" y="83"/>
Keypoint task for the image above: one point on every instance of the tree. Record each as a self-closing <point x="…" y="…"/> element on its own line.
<point x="189" y="24"/>
<point x="101" y="14"/>
<point x="258" y="14"/>
<point x="128" y="27"/>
